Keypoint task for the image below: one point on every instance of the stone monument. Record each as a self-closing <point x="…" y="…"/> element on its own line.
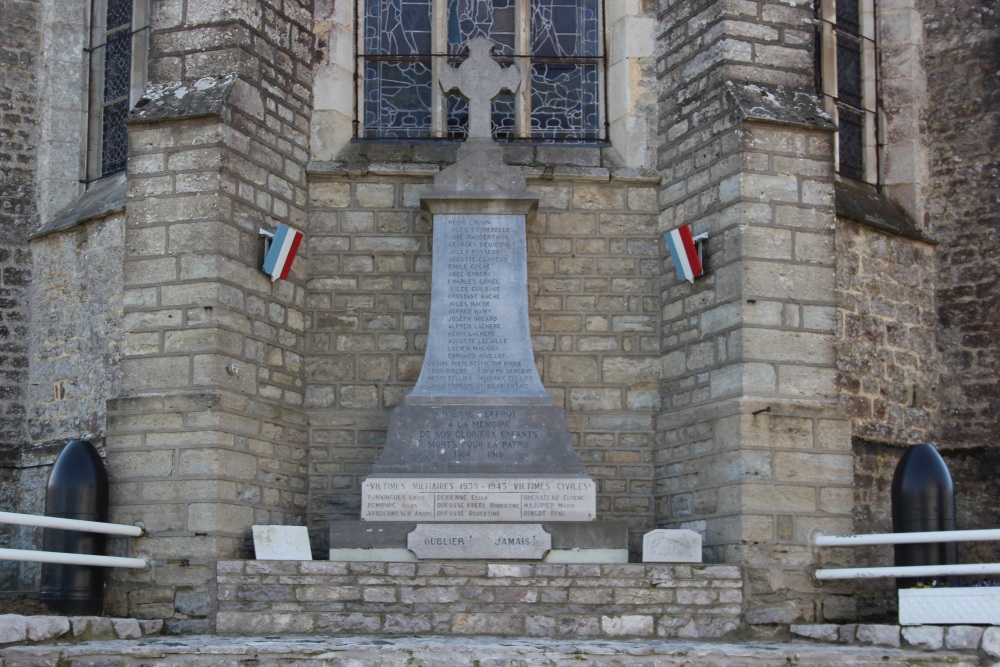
<point x="479" y="440"/>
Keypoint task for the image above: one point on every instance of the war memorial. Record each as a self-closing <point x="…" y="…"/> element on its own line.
<point x="481" y="373"/>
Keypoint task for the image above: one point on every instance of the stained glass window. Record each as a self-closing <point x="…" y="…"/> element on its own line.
<point x="117" y="66"/>
<point x="848" y="83"/>
<point x="556" y="44"/>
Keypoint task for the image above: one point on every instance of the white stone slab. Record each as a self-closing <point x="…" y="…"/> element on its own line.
<point x="671" y="546"/>
<point x="492" y="499"/>
<point x="281" y="543"/>
<point x="471" y="541"/>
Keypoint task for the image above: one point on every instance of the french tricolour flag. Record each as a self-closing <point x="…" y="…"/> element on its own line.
<point x="280" y="255"/>
<point x="685" y="254"/>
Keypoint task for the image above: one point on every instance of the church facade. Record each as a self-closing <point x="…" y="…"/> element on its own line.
<point x="841" y="157"/>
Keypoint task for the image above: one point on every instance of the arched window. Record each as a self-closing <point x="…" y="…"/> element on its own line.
<point x="556" y="44"/>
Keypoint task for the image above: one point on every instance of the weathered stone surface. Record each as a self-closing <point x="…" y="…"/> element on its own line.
<point x="963" y="637"/>
<point x="671" y="546"/>
<point x="924" y="636"/>
<point x="479" y="541"/>
<point x="281" y="543"/>
<point x="879" y="635"/>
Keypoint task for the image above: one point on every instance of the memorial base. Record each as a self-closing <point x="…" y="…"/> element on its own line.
<point x="552" y="542"/>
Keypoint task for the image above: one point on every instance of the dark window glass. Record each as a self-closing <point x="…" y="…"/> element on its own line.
<point x="850" y="136"/>
<point x="849" y="81"/>
<point x="115" y="138"/>
<point x="849" y="16"/>
<point x="119" y="14"/>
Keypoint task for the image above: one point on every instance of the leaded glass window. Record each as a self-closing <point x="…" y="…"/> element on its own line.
<point x="118" y="44"/>
<point x="556" y="44"/>
<point x="848" y="81"/>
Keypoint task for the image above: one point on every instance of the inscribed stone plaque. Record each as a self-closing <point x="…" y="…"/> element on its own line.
<point x="501" y="439"/>
<point x="491" y="499"/>
<point x="671" y="546"/>
<point x="519" y="541"/>
<point x="479" y="343"/>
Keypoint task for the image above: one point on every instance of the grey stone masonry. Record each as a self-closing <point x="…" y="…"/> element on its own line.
<point x="207" y="436"/>
<point x="511" y="599"/>
<point x="753" y="450"/>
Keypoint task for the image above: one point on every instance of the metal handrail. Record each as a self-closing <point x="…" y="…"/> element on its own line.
<point x="927" y="537"/>
<point x="32" y="556"/>
<point x="71" y="524"/>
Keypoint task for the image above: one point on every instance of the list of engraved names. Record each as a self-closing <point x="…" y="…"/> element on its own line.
<point x="481" y="350"/>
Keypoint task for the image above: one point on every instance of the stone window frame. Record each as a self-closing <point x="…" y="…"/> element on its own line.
<point x="829" y="87"/>
<point x="138" y="29"/>
<point x="439" y="58"/>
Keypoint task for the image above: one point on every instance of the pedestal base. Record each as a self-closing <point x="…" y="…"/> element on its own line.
<point x="390" y="541"/>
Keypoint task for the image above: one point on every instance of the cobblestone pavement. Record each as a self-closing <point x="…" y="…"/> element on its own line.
<point x="218" y="651"/>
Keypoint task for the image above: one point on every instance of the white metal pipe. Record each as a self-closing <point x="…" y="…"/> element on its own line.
<point x="70" y="524"/>
<point x="72" y="559"/>
<point x="908" y="538"/>
<point x="908" y="571"/>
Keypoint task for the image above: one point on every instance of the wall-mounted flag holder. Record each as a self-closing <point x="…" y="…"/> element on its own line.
<point x="279" y="250"/>
<point x="686" y="251"/>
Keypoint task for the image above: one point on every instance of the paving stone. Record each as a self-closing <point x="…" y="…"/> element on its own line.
<point x="879" y="635"/>
<point x="991" y="641"/>
<point x="924" y="636"/>
<point x="963" y="637"/>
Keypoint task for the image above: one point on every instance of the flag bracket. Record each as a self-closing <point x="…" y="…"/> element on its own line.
<point x="266" y="237"/>
<point x="699" y="243"/>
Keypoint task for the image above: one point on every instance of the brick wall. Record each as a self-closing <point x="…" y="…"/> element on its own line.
<point x="592" y="264"/>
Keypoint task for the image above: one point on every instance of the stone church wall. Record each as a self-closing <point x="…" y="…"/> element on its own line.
<point x="207" y="436"/>
<point x="19" y="106"/>
<point x="962" y="55"/>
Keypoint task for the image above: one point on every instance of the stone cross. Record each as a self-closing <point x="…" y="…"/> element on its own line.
<point x="480" y="79"/>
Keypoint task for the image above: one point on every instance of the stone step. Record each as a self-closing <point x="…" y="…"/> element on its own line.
<point x="219" y="651"/>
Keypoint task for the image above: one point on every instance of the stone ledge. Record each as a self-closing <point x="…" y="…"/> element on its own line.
<point x="16" y="629"/>
<point x="924" y="637"/>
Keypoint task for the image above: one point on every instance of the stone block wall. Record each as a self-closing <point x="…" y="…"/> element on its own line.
<point x="479" y="598"/>
<point x="207" y="435"/>
<point x="19" y="104"/>
<point x="963" y="213"/>
<point x="752" y="450"/>
<point x="593" y="259"/>
<point x="886" y="352"/>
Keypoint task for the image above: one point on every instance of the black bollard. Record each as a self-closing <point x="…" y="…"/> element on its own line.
<point x="77" y="489"/>
<point x="923" y="499"/>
